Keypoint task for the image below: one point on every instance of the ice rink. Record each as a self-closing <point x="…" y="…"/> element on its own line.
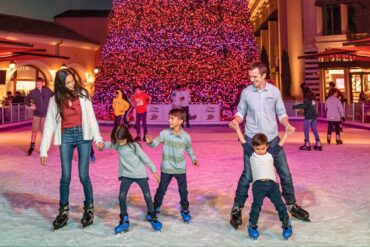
<point x="333" y="185"/>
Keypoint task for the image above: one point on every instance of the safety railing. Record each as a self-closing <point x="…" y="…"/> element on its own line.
<point x="14" y="113"/>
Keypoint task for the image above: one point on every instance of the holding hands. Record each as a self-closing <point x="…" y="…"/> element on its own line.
<point x="156" y="176"/>
<point x="148" y="139"/>
<point x="289" y="129"/>
<point x="100" y="146"/>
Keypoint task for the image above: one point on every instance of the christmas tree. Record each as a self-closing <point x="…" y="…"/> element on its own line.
<point x="206" y="44"/>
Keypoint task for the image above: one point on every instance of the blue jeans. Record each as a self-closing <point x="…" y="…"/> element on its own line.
<point x="72" y="138"/>
<point x="313" y="124"/>
<point x="163" y="185"/>
<point x="141" y="117"/>
<point x="281" y="165"/>
<point x="269" y="189"/>
<point x="125" y="186"/>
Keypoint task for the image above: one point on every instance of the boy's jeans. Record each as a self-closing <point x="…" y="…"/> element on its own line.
<point x="72" y="138"/>
<point x="262" y="189"/>
<point x="163" y="185"/>
<point x="281" y="165"/>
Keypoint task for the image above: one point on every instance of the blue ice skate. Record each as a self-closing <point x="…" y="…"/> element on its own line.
<point x="287" y="232"/>
<point x="185" y="214"/>
<point x="123" y="226"/>
<point x="253" y="232"/>
<point x="154" y="222"/>
<point x="287" y="228"/>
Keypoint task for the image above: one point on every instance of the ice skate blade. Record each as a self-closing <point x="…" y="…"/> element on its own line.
<point x="234" y="225"/>
<point x="59" y="227"/>
<point x="87" y="224"/>
<point x="119" y="233"/>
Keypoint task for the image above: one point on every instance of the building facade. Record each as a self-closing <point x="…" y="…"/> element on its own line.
<point x="32" y="48"/>
<point x="304" y="30"/>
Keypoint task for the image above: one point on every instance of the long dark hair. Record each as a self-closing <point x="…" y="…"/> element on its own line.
<point x="63" y="94"/>
<point x="120" y="132"/>
<point x="307" y="92"/>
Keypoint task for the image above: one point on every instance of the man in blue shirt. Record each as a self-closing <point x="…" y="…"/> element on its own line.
<point x="260" y="103"/>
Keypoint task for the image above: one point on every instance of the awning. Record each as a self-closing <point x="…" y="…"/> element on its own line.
<point x="342" y="54"/>
<point x="11" y="50"/>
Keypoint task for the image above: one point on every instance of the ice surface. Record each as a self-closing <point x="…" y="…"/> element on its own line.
<point x="333" y="185"/>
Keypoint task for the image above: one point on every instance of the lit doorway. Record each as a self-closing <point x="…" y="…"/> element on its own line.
<point x="360" y="82"/>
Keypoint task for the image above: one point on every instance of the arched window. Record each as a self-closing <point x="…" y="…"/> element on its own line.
<point x="24" y="78"/>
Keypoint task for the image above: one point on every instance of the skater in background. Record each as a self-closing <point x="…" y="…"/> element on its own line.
<point x="340" y="96"/>
<point x="140" y="100"/>
<point x="184" y="103"/>
<point x="71" y="118"/>
<point x="131" y="169"/>
<point x="264" y="179"/>
<point x="176" y="97"/>
<point x="175" y="142"/>
<point x="310" y="118"/>
<point x="38" y="100"/>
<point x="125" y="120"/>
<point x="261" y="102"/>
<point x="120" y="107"/>
<point x="334" y="114"/>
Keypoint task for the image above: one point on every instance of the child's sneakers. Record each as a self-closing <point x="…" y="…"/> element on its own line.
<point x="253" y="231"/>
<point x="287" y="229"/>
<point x="185" y="214"/>
<point x="154" y="222"/>
<point x="123" y="225"/>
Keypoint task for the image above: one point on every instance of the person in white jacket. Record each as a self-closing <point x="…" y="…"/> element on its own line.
<point x="71" y="118"/>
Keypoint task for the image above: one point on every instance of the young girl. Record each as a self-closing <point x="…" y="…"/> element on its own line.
<point x="71" y="119"/>
<point x="310" y="118"/>
<point x="334" y="114"/>
<point x="131" y="169"/>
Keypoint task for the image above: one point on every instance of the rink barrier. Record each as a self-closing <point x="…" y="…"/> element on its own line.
<point x="200" y="114"/>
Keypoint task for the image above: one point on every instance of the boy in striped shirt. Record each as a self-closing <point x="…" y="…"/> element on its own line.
<point x="175" y="142"/>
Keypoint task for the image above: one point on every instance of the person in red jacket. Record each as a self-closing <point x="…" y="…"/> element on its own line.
<point x="140" y="100"/>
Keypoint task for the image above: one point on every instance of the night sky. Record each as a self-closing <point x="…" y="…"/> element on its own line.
<point x="47" y="9"/>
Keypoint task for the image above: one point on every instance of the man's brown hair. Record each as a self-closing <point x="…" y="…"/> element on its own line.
<point x="260" y="66"/>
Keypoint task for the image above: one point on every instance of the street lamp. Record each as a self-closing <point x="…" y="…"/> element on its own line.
<point x="96" y="70"/>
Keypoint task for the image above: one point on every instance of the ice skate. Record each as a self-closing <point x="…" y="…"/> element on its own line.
<point x="299" y="213"/>
<point x="154" y="222"/>
<point x="88" y="215"/>
<point x="123" y="226"/>
<point x="287" y="229"/>
<point x="185" y="214"/>
<point x="62" y="218"/>
<point x="236" y="217"/>
<point x="253" y="231"/>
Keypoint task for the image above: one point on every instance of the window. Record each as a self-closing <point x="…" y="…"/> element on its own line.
<point x="352" y="28"/>
<point x="331" y="19"/>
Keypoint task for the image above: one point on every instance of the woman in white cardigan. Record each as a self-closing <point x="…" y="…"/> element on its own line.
<point x="71" y="119"/>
